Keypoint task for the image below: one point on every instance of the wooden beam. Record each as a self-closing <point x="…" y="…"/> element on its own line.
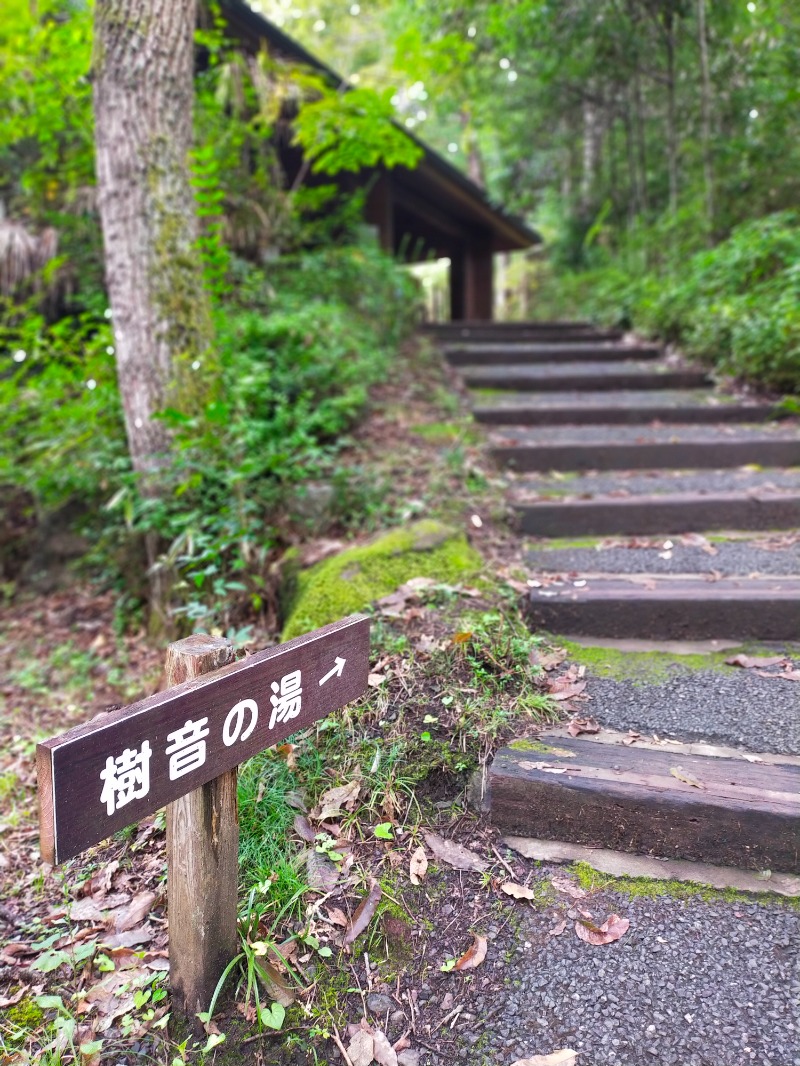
<point x="479" y="279"/>
<point x="202" y="857"/>
<point x="651" y="802"/>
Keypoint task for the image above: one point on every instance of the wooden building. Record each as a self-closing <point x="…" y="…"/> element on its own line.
<point x="433" y="210"/>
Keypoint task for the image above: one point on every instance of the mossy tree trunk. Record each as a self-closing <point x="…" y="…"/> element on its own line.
<point x="143" y="93"/>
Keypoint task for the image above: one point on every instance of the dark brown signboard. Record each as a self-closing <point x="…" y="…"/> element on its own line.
<point x="121" y="766"/>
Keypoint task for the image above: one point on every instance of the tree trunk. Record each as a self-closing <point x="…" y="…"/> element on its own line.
<point x="143" y="93"/>
<point x="706" y="103"/>
<point x="672" y="119"/>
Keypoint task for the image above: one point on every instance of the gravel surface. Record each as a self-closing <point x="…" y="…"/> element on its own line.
<point x="550" y="435"/>
<point x="690" y="984"/>
<point x="729" y="706"/>
<point x="649" y="482"/>
<point x="733" y="557"/>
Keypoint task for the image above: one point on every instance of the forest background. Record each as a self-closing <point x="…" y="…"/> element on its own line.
<point x="654" y="144"/>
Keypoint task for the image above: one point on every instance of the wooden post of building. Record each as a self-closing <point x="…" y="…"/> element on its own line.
<point x="458" y="303"/>
<point x="202" y="857"/>
<point x="479" y="279"/>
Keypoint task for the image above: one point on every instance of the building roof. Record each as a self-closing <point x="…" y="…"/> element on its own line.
<point x="434" y="181"/>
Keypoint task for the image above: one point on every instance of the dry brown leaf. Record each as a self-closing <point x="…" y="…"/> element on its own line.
<point x="750" y="661"/>
<point x="364" y="913"/>
<point x="286" y="752"/>
<point x="612" y="929"/>
<point x="454" y="854"/>
<point x="336" y="800"/>
<point x="564" y="1057"/>
<point x="547" y="660"/>
<point x="517" y="891"/>
<point x="583" y="725"/>
<point x="382" y="1050"/>
<point x="275" y="984"/>
<point x="127" y="917"/>
<point x="321" y="873"/>
<point x="87" y="910"/>
<point x="680" y="774"/>
<point x="790" y="675"/>
<point x="99" y="884"/>
<point x="474" y="955"/>
<point x="569" y="888"/>
<point x="9" y="1001"/>
<point x="303" y="829"/>
<point x="140" y="934"/>
<point x="374" y="680"/>
<point x="337" y="917"/>
<point x="418" y="866"/>
<point x="359" y="1050"/>
<point x="558" y="928"/>
<point x="545" y="767"/>
<point x="563" y="688"/>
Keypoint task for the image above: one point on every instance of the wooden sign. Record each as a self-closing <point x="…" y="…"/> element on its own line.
<point x="126" y="764"/>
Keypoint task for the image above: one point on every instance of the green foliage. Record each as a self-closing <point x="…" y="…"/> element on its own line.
<point x="351" y="130"/>
<point x="736" y="307"/>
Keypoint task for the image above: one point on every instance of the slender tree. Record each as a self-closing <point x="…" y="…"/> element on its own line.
<point x="143" y="92"/>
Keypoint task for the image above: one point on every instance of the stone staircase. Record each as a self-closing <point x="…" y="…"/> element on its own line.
<point x="699" y="490"/>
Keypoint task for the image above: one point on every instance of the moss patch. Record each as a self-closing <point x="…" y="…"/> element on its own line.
<point x="647" y="667"/>
<point x="350" y="581"/>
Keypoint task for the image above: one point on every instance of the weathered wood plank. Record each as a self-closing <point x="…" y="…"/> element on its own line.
<point x="202" y="856"/>
<point x="739" y="813"/>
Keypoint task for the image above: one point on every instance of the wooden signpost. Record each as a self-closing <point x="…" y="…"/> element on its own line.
<point x="181" y="748"/>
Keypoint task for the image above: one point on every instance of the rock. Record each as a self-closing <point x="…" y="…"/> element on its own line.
<point x="349" y="581"/>
<point x="379" y="1004"/>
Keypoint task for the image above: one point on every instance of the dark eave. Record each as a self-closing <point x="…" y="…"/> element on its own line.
<point x="434" y="176"/>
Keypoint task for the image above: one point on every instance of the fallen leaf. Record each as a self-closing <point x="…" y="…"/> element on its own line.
<point x="749" y="661"/>
<point x="790" y="675"/>
<point x="99" y="884"/>
<point x="680" y="774"/>
<point x="286" y="752"/>
<point x="364" y="913"/>
<point x="454" y="854"/>
<point x="565" y="1057"/>
<point x="545" y="767"/>
<point x="558" y="928"/>
<point x="359" y="1049"/>
<point x="321" y="873"/>
<point x="546" y="660"/>
<point x="418" y="866"/>
<point x="87" y="910"/>
<point x="562" y="688"/>
<point x="382" y="1050"/>
<point x="303" y="829"/>
<point x="127" y="917"/>
<point x="140" y="934"/>
<point x="474" y="955"/>
<point x="583" y="725"/>
<point x="408" y="1058"/>
<point x="373" y="680"/>
<point x="337" y="917"/>
<point x="569" y="888"/>
<point x="751" y="758"/>
<point x="336" y="800"/>
<point x="517" y="891"/>
<point x="612" y="929"/>
<point x="9" y="1001"/>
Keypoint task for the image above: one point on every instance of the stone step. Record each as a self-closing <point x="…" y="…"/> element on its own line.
<point x="668" y="607"/>
<point x="646" y="447"/>
<point x="501" y="332"/>
<point x="585" y="376"/>
<point x="646" y="801"/>
<point x="526" y="353"/>
<point x="658" y="501"/>
<point x="771" y="555"/>
<point x="623" y="407"/>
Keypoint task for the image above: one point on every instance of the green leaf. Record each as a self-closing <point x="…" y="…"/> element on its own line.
<point x="273" y="1016"/>
<point x="213" y="1041"/>
<point x="49" y="1002"/>
<point x="384" y="831"/>
<point x="50" y="960"/>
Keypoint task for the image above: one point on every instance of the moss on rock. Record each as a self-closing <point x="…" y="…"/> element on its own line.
<point x="351" y="580"/>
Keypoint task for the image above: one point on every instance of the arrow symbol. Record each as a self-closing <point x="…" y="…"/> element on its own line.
<point x="335" y="672"/>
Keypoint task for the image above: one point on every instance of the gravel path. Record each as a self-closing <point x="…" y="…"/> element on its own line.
<point x="690" y="984"/>
<point x="648" y="482"/>
<point x="733" y="557"/>
<point x="731" y="706"/>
